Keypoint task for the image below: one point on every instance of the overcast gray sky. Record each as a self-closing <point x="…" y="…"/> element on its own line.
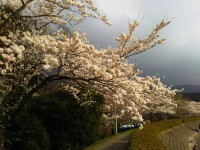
<point x="178" y="59"/>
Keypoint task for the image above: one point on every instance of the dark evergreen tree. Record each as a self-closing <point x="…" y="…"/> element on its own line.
<point x="70" y="123"/>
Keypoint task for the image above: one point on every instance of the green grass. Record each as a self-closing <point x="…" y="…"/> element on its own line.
<point x="102" y="142"/>
<point x="149" y="137"/>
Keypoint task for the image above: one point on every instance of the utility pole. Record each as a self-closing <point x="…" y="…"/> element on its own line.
<point x="115" y="119"/>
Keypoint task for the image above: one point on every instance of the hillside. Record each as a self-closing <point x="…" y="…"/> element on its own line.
<point x="193" y="96"/>
<point x="188" y="88"/>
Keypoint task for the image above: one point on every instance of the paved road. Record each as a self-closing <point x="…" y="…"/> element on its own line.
<point x="182" y="137"/>
<point x="178" y="138"/>
<point x="120" y="142"/>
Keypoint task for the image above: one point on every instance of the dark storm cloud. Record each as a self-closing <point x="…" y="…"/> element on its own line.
<point x="178" y="59"/>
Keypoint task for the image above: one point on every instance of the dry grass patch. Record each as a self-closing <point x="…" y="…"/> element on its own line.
<point x="149" y="137"/>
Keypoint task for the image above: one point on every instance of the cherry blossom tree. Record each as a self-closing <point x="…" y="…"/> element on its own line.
<point x="39" y="14"/>
<point x="188" y="108"/>
<point x="31" y="59"/>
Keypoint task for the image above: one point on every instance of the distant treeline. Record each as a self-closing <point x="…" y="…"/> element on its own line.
<point x="193" y="96"/>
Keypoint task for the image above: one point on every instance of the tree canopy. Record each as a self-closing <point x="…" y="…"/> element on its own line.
<point x="33" y="58"/>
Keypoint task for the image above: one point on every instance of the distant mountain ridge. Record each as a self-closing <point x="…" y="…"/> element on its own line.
<point x="193" y="96"/>
<point x="189" y="88"/>
<point x="190" y="91"/>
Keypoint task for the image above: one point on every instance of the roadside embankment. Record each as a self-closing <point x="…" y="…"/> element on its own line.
<point x="170" y="132"/>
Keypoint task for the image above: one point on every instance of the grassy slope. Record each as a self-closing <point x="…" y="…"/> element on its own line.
<point x="149" y="137"/>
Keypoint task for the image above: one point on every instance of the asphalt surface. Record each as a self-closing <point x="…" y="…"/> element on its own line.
<point x="121" y="142"/>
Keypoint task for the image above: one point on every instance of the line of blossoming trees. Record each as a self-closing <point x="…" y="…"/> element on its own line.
<point x="32" y="57"/>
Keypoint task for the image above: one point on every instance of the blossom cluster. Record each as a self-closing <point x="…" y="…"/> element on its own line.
<point x="32" y="58"/>
<point x="73" y="58"/>
<point x="130" y="45"/>
<point x="57" y="12"/>
<point x="188" y="106"/>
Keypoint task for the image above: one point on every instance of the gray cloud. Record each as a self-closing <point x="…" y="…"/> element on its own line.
<point x="178" y="59"/>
